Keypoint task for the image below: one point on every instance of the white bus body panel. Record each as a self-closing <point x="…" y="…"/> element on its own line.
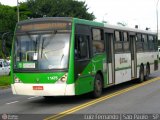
<point x="48" y="89"/>
<point x="122" y="67"/>
<point x="146" y="57"/>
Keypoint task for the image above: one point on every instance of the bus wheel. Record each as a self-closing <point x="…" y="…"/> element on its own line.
<point x="141" y="74"/>
<point x="147" y="72"/>
<point x="97" y="86"/>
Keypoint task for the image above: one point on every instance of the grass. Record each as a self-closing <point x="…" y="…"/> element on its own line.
<point x="5" y="81"/>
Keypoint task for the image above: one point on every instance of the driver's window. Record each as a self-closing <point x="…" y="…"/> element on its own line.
<point x="81" y="47"/>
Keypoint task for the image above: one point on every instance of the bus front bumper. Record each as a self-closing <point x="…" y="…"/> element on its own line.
<point x="45" y="89"/>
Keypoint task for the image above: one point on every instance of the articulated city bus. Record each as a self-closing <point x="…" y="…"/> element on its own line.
<point x="70" y="56"/>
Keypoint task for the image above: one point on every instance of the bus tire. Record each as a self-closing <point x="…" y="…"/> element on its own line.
<point x="141" y="74"/>
<point x="147" y="71"/>
<point x="97" y="91"/>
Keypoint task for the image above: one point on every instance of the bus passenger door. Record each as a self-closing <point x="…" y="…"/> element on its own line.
<point x="83" y="66"/>
<point x="133" y="56"/>
<point x="110" y="57"/>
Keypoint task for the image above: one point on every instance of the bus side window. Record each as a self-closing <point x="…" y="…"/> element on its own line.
<point x="155" y="43"/>
<point x="139" y="42"/>
<point x="145" y="42"/>
<point x="151" y="42"/>
<point x="81" y="47"/>
<point x="118" y="42"/>
<point x="126" y="46"/>
<point x="139" y="37"/>
<point x="125" y="36"/>
<point x="117" y="36"/>
<point x="98" y="42"/>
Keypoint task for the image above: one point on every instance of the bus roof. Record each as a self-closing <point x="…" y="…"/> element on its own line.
<point x="94" y="23"/>
<point x="49" y="19"/>
<point x="128" y="29"/>
<point x="87" y="22"/>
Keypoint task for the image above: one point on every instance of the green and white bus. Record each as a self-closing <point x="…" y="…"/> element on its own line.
<point x="69" y="56"/>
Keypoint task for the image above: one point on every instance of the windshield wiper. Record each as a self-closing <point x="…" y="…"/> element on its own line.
<point x="42" y="47"/>
<point x="62" y="58"/>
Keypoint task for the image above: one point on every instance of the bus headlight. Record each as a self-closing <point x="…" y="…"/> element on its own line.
<point x="17" y="80"/>
<point x="62" y="79"/>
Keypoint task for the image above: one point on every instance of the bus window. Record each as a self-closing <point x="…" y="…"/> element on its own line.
<point x="139" y="43"/>
<point x="98" y="43"/>
<point x="151" y="42"/>
<point x="118" y="42"/>
<point x="98" y="47"/>
<point x="155" y="43"/>
<point x="145" y="42"/>
<point x="125" y="36"/>
<point x="139" y="37"/>
<point x="81" y="47"/>
<point x="144" y="38"/>
<point x="117" y="36"/>
<point x="125" y="42"/>
<point x="96" y="34"/>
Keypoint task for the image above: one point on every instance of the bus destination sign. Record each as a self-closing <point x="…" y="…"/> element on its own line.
<point x="45" y="26"/>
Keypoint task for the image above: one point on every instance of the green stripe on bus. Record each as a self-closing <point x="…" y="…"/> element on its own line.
<point x="87" y="22"/>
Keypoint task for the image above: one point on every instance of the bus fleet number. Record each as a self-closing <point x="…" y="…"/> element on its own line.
<point x="53" y="78"/>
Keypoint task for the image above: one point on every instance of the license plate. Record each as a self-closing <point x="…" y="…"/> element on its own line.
<point x="29" y="65"/>
<point x="37" y="87"/>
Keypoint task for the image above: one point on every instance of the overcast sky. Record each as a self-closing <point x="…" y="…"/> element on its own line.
<point x="132" y="12"/>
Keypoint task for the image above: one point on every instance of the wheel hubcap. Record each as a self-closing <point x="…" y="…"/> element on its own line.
<point x="98" y="86"/>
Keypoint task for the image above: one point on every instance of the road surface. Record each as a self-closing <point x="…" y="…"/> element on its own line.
<point x="126" y="98"/>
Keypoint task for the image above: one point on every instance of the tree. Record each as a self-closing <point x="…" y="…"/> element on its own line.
<point x="36" y="9"/>
<point x="8" y="21"/>
<point x="7" y="18"/>
<point x="58" y="8"/>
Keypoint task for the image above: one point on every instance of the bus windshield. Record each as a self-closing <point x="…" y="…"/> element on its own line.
<point x="41" y="51"/>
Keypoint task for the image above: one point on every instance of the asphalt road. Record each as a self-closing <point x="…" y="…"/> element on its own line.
<point x="144" y="99"/>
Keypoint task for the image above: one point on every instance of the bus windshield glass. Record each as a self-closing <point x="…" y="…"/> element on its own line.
<point x="42" y="51"/>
